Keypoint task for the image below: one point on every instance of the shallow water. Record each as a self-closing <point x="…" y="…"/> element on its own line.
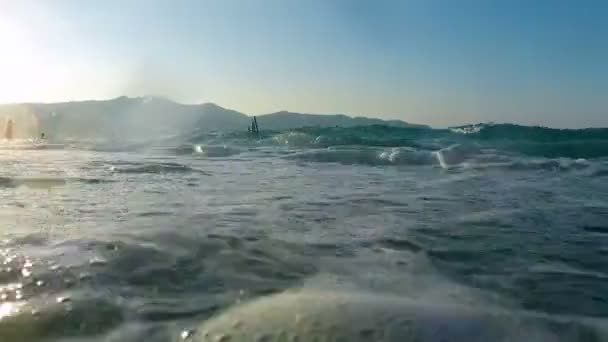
<point x="111" y="244"/>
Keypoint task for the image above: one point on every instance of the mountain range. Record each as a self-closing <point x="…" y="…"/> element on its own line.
<point x="143" y="116"/>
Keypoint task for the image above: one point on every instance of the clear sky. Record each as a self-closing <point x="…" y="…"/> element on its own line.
<point x="425" y="61"/>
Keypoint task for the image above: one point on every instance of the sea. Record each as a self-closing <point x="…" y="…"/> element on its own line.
<point x="145" y="240"/>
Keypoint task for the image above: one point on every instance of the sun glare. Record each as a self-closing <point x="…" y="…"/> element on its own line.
<point x="24" y="65"/>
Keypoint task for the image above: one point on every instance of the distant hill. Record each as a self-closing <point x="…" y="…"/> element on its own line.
<point x="286" y="120"/>
<point x="147" y="116"/>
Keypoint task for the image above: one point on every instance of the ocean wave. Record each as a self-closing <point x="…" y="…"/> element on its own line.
<point x="514" y="132"/>
<point x="455" y="154"/>
<point x="531" y="141"/>
<point x="29" y="144"/>
<point x="600" y="173"/>
<point x="450" y="157"/>
<point x="587" y="168"/>
<point x="507" y="138"/>
<point x="376" y="135"/>
<point x="216" y="151"/>
<point x="157" y="168"/>
<point x="407" y="156"/>
<point x="119" y="146"/>
<point x="76" y="318"/>
<point x="211" y="151"/>
<point x="364" y="156"/>
<point x="455" y="157"/>
<point x="569" y="149"/>
<point x="46" y="182"/>
<point x="361" y="316"/>
<point x="294" y="139"/>
<point x="539" y="141"/>
<point x="181" y="150"/>
<point x="522" y="140"/>
<point x="559" y="164"/>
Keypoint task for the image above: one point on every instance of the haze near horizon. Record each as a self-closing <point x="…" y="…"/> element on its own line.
<point x="428" y="62"/>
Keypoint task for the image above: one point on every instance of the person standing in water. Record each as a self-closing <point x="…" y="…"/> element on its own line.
<point x="8" y="133"/>
<point x="255" y="124"/>
<point x="254" y="129"/>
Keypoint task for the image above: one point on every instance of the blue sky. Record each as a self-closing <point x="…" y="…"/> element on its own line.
<point x="426" y="61"/>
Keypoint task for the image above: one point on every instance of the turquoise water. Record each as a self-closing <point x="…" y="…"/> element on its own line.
<point x="145" y="240"/>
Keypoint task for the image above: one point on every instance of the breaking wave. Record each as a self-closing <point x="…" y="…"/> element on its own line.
<point x="394" y="156"/>
<point x="521" y="140"/>
<point x="532" y="133"/>
<point x="453" y="157"/>
<point x="529" y="141"/>
<point x="541" y="141"/>
<point x="506" y="138"/>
